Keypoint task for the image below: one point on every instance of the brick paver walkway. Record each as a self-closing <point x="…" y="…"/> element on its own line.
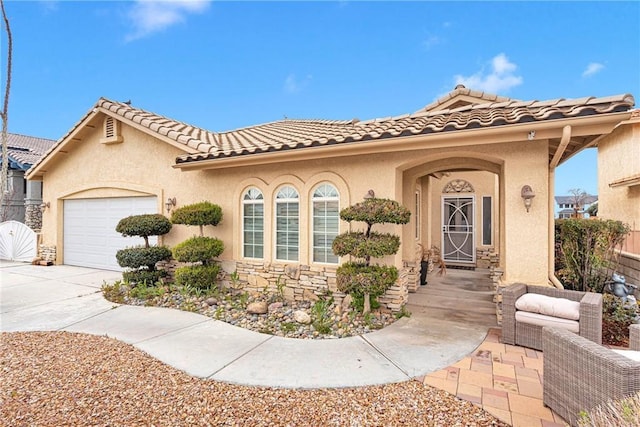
<point x="503" y="379"/>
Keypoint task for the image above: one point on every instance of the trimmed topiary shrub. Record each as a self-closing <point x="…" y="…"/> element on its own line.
<point x="198" y="276"/>
<point x="140" y="256"/>
<point x="142" y="259"/>
<point x="144" y="226"/>
<point x="360" y="277"/>
<point x="201" y="250"/>
<point x="200" y="214"/>
<point x="198" y="249"/>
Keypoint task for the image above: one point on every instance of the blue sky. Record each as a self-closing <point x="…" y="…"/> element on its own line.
<point x="224" y="65"/>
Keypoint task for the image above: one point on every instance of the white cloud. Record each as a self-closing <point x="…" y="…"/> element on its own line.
<point x="294" y="85"/>
<point x="500" y="80"/>
<point x="592" y="68"/>
<point x="150" y="16"/>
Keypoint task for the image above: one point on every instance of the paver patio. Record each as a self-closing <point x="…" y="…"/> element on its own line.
<point x="503" y="379"/>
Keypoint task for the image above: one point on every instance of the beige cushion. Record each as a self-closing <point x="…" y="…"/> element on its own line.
<point x="549" y="306"/>
<point x="629" y="354"/>
<point x="542" y="320"/>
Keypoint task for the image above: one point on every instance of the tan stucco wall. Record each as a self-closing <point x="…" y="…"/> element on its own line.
<point x="142" y="165"/>
<point x="618" y="158"/>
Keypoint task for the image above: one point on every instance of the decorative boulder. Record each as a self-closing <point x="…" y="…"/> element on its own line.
<point x="301" y="317"/>
<point x="259" y="307"/>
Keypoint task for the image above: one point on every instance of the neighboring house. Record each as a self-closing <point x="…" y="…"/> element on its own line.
<point x="475" y="169"/>
<point x="22" y="198"/>
<point x="619" y="187"/>
<point x="572" y="207"/>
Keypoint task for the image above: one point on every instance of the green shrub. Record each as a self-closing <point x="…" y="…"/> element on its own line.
<point x="616" y="318"/>
<point x="144" y="226"/>
<point x="360" y="246"/>
<point x="201" y="214"/>
<point x="358" y="301"/>
<point x="143" y="276"/>
<point x="198" y="249"/>
<point x="376" y="211"/>
<point x="197" y="276"/>
<point x="362" y="277"/>
<point x="588" y="251"/>
<point x="365" y="279"/>
<point x="140" y="256"/>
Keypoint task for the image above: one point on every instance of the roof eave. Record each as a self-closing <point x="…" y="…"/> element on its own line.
<point x="544" y="130"/>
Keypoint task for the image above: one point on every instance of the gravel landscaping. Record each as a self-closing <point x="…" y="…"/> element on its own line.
<point x="61" y="378"/>
<point x="263" y="312"/>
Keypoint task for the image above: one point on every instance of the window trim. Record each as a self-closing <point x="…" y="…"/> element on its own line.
<point x="277" y="200"/>
<point x="313" y="200"/>
<point x="257" y="201"/>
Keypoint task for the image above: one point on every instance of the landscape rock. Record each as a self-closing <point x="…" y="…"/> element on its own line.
<point x="259" y="307"/>
<point x="275" y="306"/>
<point x="301" y="317"/>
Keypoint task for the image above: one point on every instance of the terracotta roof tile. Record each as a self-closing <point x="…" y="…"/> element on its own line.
<point x="489" y="111"/>
<point x="26" y="150"/>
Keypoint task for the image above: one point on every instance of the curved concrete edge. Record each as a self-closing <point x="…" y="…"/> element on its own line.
<point x="207" y="348"/>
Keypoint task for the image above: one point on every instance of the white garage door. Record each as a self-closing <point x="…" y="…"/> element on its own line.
<point x="90" y="237"/>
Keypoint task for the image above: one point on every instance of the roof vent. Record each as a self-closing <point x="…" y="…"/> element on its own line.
<point x="111" y="131"/>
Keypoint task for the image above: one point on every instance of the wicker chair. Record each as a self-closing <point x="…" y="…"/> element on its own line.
<point x="527" y="335"/>
<point x="580" y="374"/>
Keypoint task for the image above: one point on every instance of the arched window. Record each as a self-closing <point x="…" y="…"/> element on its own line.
<point x="287" y="224"/>
<point x="326" y="211"/>
<point x="253" y="224"/>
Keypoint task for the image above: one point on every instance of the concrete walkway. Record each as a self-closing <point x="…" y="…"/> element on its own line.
<point x="35" y="298"/>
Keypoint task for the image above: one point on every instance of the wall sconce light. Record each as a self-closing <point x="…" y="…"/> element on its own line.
<point x="531" y="135"/>
<point x="170" y="203"/>
<point x="527" y="195"/>
<point x="370" y="195"/>
<point x="44" y="206"/>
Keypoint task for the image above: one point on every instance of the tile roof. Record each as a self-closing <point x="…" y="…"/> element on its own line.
<point x="473" y="110"/>
<point x="25" y="150"/>
<point x="290" y="134"/>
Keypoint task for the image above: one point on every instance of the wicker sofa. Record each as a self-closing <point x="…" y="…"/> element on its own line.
<point x="580" y="374"/>
<point x="530" y="335"/>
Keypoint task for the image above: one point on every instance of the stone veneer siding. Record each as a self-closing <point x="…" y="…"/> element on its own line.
<point x="33" y="216"/>
<point x="47" y="253"/>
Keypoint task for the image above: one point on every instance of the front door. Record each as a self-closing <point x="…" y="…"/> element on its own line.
<point x="457" y="230"/>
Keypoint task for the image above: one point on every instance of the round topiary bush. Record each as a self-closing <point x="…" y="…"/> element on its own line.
<point x="365" y="279"/>
<point x="140" y="256"/>
<point x="358" y="245"/>
<point x="198" y="249"/>
<point x="198" y="276"/>
<point x="144" y="226"/>
<point x="200" y="214"/>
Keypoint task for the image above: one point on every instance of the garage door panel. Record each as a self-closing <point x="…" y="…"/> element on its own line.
<point x="90" y="239"/>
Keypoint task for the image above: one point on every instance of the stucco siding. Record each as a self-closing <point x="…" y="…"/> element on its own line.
<point x="142" y="165"/>
<point x="619" y="158"/>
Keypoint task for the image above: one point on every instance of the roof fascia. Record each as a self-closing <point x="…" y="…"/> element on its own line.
<point x="38" y="172"/>
<point x="544" y="130"/>
<point x="129" y="122"/>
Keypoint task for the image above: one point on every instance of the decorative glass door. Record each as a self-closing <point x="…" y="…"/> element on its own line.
<point x="457" y="229"/>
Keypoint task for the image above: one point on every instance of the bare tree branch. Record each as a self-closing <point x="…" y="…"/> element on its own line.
<point x="4" y="114"/>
